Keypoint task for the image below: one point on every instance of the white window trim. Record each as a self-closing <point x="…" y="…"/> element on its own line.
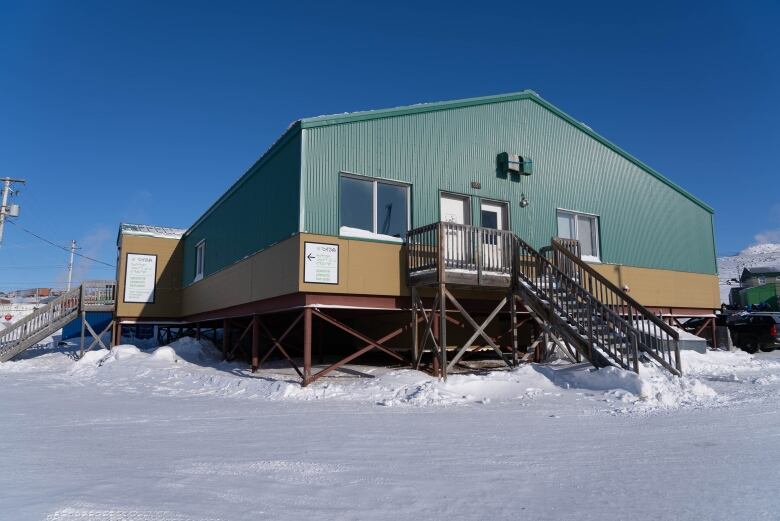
<point x="375" y="196"/>
<point x="575" y="213"/>
<point x="200" y="260"/>
<point x="496" y="202"/>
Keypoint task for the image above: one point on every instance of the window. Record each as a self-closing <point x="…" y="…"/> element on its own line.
<point x="584" y="228"/>
<point x="200" y="253"/>
<point x="372" y="207"/>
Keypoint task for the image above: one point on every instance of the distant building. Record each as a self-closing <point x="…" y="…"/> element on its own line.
<point x="30" y="292"/>
<point x="760" y="275"/>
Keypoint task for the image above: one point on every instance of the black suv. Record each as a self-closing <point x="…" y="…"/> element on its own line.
<point x="754" y="331"/>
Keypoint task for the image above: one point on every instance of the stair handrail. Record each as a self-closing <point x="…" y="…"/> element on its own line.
<point x="629" y="361"/>
<point x="624" y="302"/>
<point x="39" y="319"/>
<point x="646" y="313"/>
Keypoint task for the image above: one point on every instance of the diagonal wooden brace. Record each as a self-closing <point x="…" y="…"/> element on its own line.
<point x="479" y="331"/>
<point x="277" y="344"/>
<point x="97" y="338"/>
<point x="357" y="334"/>
<point x="428" y="332"/>
<point x="360" y="352"/>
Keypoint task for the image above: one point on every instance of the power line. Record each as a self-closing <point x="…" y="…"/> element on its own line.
<point x="30" y="267"/>
<point x="47" y="241"/>
<point x="53" y="266"/>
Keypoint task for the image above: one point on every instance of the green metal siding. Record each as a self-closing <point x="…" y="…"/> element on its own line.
<point x="262" y="208"/>
<point x="645" y="220"/>
<point x="767" y="293"/>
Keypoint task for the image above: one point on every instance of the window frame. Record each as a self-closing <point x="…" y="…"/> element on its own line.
<point x="507" y="218"/>
<point x="200" y="260"/>
<point x="597" y="236"/>
<point x="375" y="181"/>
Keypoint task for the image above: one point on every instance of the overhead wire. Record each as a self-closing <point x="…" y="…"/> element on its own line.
<point x="64" y="248"/>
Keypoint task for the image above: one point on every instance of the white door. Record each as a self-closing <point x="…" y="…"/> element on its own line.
<point x="494" y="217"/>
<point x="455" y="210"/>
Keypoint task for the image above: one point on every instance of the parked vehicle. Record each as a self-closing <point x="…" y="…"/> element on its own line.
<point x="694" y="326"/>
<point x="753" y="331"/>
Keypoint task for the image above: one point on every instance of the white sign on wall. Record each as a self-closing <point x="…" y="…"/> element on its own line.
<point x="140" y="273"/>
<point x="321" y="263"/>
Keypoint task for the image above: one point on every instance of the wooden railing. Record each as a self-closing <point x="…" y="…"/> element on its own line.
<point x="444" y="247"/>
<point x="656" y="338"/>
<point x="98" y="295"/>
<point x="600" y="326"/>
<point x="422" y="249"/>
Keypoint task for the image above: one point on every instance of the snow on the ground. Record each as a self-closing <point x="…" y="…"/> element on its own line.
<point x="175" y="433"/>
<point x="190" y="367"/>
<point x="730" y="267"/>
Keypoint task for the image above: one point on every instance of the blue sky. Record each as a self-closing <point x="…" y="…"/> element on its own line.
<point x="148" y="111"/>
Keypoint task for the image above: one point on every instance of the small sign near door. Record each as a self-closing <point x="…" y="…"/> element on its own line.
<point x="321" y="263"/>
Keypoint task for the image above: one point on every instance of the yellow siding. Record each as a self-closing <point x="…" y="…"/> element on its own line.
<point x="167" y="298"/>
<point x="365" y="268"/>
<point x="266" y="274"/>
<point x="664" y="288"/>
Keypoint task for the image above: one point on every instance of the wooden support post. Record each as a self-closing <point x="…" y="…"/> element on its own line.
<point x="225" y="337"/>
<point x="415" y="329"/>
<point x="116" y="333"/>
<point x="320" y="343"/>
<point x="255" y="343"/>
<point x="83" y="322"/>
<point x="714" y="334"/>
<point x="197" y="331"/>
<point x="306" y="346"/>
<point x="443" y="330"/>
<point x="513" y="325"/>
<point x="435" y="333"/>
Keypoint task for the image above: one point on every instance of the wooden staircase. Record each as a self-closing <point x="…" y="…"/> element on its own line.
<point x="578" y="307"/>
<point x="53" y="316"/>
<point x="601" y="321"/>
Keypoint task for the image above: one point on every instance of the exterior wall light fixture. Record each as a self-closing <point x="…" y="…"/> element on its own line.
<point x="523" y="201"/>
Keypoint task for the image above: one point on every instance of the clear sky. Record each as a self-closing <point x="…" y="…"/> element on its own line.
<point x="147" y="111"/>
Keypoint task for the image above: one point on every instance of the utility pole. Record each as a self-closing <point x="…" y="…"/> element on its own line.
<point x="70" y="262"/>
<point x="5" y="210"/>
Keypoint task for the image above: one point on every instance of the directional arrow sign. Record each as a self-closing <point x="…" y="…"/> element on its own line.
<point x="322" y="263"/>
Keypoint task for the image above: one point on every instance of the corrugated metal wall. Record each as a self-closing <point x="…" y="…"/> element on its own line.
<point x="261" y="209"/>
<point x="643" y="221"/>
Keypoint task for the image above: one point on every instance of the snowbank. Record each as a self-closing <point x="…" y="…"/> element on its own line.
<point x="724" y="363"/>
<point x="188" y="367"/>
<point x="191" y="367"/>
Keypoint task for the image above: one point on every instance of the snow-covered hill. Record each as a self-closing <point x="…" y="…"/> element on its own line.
<point x="731" y="267"/>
